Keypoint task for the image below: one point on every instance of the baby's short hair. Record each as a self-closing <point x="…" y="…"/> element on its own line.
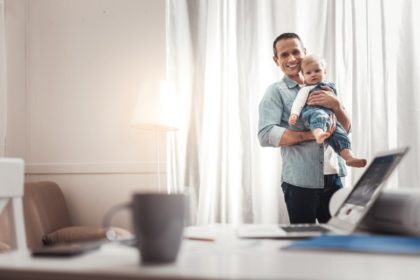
<point x="313" y="58"/>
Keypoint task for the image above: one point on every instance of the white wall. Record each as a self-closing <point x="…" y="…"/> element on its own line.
<point x="74" y="71"/>
<point x="16" y="77"/>
<point x="3" y="81"/>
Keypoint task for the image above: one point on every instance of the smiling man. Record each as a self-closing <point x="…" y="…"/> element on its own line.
<point x="311" y="172"/>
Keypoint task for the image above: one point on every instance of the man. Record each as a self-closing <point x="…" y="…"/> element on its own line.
<point x="310" y="176"/>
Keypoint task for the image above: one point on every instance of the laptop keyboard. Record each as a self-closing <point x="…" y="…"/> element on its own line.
<point x="305" y="228"/>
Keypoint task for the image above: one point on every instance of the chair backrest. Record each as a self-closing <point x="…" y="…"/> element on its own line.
<point x="45" y="211"/>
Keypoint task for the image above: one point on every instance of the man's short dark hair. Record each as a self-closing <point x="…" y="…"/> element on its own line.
<point x="285" y="36"/>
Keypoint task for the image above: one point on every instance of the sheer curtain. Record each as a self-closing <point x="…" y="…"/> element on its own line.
<point x="376" y="65"/>
<point x="220" y="58"/>
<point x="407" y="90"/>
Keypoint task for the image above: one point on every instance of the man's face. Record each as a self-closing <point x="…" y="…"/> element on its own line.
<point x="289" y="56"/>
<point x="313" y="72"/>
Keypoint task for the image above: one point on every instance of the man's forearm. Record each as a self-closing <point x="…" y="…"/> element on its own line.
<point x="327" y="99"/>
<point x="342" y="117"/>
<point x="291" y="137"/>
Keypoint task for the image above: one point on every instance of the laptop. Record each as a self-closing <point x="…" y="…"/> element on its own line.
<point x="350" y="213"/>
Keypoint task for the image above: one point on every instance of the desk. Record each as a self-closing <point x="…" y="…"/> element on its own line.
<point x="225" y="258"/>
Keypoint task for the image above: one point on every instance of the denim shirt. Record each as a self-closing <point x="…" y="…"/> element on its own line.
<point x="303" y="163"/>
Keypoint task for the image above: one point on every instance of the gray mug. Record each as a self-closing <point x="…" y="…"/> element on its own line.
<point x="158" y="221"/>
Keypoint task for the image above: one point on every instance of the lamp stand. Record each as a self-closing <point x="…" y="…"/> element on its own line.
<point x="158" y="157"/>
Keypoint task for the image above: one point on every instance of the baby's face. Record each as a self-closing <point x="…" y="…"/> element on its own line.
<point x="313" y="72"/>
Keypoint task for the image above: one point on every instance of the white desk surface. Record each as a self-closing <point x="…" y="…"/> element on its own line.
<point x="225" y="258"/>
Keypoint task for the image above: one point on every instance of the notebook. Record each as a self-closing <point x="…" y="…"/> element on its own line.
<point x="372" y="244"/>
<point x="351" y="212"/>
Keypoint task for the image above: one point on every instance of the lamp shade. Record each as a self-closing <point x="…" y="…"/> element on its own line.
<point x="156" y="107"/>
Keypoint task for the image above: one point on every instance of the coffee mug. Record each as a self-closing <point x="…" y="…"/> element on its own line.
<point x="158" y="223"/>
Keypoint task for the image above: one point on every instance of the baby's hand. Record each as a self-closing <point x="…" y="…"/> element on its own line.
<point x="292" y="119"/>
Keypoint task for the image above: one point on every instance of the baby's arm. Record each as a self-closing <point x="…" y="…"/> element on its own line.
<point x="298" y="104"/>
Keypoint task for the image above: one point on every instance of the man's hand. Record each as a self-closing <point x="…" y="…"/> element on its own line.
<point x="293" y="119"/>
<point x="291" y="137"/>
<point x="333" y="126"/>
<point x="325" y="98"/>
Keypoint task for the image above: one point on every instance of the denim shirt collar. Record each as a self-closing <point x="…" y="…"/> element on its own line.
<point x="289" y="82"/>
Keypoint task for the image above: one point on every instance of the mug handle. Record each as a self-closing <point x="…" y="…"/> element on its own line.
<point x="109" y="215"/>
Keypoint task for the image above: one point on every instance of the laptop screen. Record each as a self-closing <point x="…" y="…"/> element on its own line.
<point x="368" y="188"/>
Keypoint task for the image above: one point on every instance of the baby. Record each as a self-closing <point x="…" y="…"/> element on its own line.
<point x="317" y="118"/>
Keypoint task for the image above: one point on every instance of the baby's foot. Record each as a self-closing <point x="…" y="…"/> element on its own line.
<point x="356" y="162"/>
<point x="320" y="137"/>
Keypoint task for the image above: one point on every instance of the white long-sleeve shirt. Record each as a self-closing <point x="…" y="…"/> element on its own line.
<point x="300" y="100"/>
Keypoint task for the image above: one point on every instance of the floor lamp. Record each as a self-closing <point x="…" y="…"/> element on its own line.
<point x="156" y="111"/>
<point x="11" y="189"/>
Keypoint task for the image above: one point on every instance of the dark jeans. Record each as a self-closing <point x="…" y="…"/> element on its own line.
<point x="306" y="205"/>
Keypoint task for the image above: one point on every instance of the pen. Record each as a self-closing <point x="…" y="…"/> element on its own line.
<point x="207" y="239"/>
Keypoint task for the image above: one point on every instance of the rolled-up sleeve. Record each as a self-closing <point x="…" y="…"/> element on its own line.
<point x="270" y="112"/>
<point x="275" y="135"/>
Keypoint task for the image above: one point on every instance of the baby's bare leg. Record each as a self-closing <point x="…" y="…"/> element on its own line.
<point x="320" y="135"/>
<point x="352" y="161"/>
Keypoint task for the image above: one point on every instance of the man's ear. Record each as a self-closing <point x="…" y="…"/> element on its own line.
<point x="275" y="60"/>
<point x="304" y="51"/>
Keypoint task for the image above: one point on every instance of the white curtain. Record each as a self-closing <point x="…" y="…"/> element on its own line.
<point x="376" y="68"/>
<point x="407" y="89"/>
<point x="220" y="58"/>
<point x="3" y="87"/>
